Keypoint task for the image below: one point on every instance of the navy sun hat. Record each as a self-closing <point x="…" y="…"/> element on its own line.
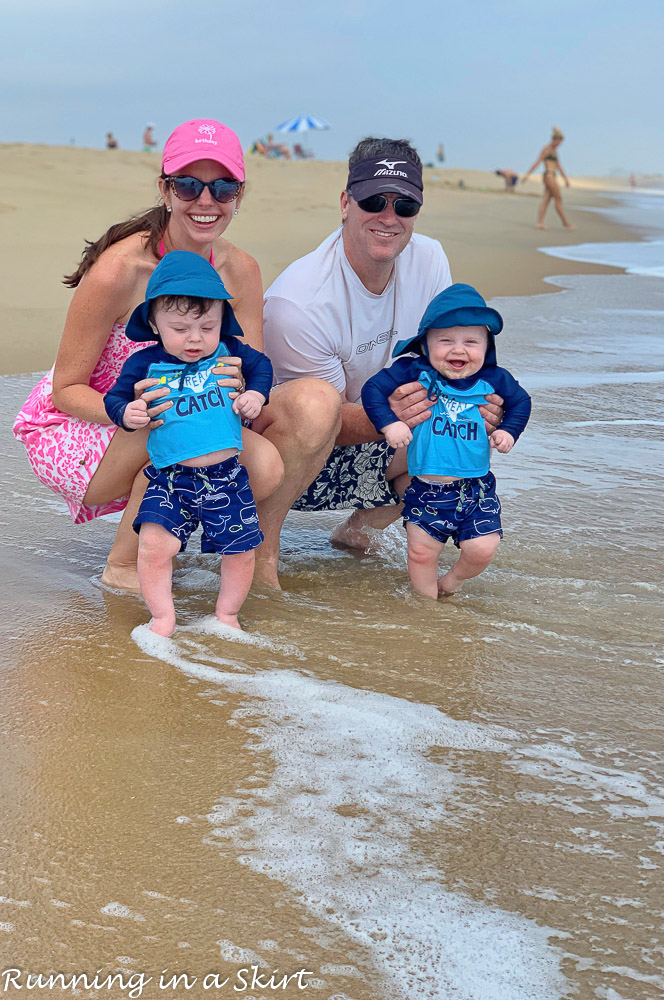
<point x="181" y="273"/>
<point x="458" y="305"/>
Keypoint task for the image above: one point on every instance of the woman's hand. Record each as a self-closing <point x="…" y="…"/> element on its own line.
<point x="411" y="404"/>
<point x="231" y="370"/>
<point x="149" y="390"/>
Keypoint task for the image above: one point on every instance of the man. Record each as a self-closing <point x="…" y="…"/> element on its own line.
<point x="334" y="315"/>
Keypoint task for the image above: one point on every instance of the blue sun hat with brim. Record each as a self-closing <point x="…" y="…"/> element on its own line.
<point x="458" y="305"/>
<point x="181" y="273"/>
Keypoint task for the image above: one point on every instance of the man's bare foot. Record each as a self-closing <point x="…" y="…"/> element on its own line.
<point x="540" y="226"/>
<point x="568" y="225"/>
<point x="265" y="572"/>
<point x="345" y="536"/>
<point x="449" y="584"/>
<point x="230" y="620"/>
<point x="121" y="576"/>
<point x="163" y="626"/>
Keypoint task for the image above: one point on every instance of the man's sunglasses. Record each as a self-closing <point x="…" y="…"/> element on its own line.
<point x="223" y="190"/>
<point x="405" y="207"/>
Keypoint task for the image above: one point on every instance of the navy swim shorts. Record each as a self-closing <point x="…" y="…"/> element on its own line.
<point x="466" y="508"/>
<point x="180" y="497"/>
<point x="353" y="478"/>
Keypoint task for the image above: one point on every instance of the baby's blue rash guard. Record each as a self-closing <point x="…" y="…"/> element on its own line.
<point x="201" y="419"/>
<point x="453" y="442"/>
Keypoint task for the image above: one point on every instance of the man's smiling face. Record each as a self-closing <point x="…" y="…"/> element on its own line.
<point x="371" y="237"/>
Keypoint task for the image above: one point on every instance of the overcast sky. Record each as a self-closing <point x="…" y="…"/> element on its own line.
<point x="487" y="79"/>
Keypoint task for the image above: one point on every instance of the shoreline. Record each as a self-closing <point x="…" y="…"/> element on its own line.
<point x="289" y="208"/>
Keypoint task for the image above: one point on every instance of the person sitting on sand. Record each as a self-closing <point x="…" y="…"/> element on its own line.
<point x="71" y="445"/>
<point x="549" y="157"/>
<point x="452" y="493"/>
<point x="111" y="141"/>
<point x="195" y="475"/>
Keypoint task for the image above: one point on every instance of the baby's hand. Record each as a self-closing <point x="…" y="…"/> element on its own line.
<point x="249" y="404"/>
<point x="398" y="434"/>
<point x="502" y="441"/>
<point x="135" y="415"/>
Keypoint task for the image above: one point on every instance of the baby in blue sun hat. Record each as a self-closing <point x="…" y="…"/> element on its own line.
<point x="453" y="492"/>
<point x="195" y="476"/>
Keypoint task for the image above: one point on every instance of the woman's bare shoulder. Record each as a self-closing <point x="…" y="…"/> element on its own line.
<point x="123" y="266"/>
<point x="234" y="262"/>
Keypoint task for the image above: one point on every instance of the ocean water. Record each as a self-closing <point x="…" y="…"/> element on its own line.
<point x="405" y="798"/>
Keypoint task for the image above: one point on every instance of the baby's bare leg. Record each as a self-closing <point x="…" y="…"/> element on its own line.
<point x="476" y="554"/>
<point x="237" y="572"/>
<point x="423" y="554"/>
<point x="156" y="548"/>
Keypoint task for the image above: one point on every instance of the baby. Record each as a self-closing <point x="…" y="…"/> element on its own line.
<point x="452" y="493"/>
<point x="195" y="475"/>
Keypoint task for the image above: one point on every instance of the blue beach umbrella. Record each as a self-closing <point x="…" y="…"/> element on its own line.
<point x="302" y="123"/>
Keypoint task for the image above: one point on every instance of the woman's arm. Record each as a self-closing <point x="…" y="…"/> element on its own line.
<point x="242" y="277"/>
<point x="563" y="174"/>
<point x="536" y="163"/>
<point x="105" y="294"/>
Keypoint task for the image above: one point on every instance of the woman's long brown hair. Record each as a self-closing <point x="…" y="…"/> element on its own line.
<point x="151" y="223"/>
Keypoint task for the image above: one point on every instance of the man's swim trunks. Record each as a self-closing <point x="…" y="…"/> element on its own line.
<point x="352" y="478"/>
<point x="218" y="497"/>
<point x="466" y="508"/>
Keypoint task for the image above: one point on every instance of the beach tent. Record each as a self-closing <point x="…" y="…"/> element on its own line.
<point x="302" y="123"/>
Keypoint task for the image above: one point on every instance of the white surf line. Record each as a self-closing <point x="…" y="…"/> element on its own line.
<point x="570" y="379"/>
<point x="351" y="786"/>
<point x="626" y="420"/>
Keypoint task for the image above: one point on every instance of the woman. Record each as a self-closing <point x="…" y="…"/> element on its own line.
<point x="549" y="157"/>
<point x="72" y="447"/>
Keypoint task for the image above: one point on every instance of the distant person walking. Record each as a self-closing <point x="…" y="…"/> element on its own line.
<point x="149" y="141"/>
<point x="440" y="153"/>
<point x="552" y="165"/>
<point x="111" y="141"/>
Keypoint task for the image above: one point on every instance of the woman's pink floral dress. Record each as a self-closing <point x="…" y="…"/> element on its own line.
<point x="64" y="451"/>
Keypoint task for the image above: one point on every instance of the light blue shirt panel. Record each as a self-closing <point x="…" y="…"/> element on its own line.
<point x="453" y="442"/>
<point x="201" y="419"/>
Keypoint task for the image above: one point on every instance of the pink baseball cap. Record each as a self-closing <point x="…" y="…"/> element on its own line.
<point x="203" y="139"/>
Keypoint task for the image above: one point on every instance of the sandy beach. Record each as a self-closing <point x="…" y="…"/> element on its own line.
<point x="54" y="198"/>
<point x="407" y="799"/>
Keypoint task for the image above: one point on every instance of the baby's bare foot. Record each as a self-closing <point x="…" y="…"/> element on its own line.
<point x="449" y="584"/>
<point x="163" y="626"/>
<point x="230" y="620"/>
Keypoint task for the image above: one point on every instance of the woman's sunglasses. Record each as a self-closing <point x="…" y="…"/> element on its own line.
<point x="223" y="190"/>
<point x="405" y="207"/>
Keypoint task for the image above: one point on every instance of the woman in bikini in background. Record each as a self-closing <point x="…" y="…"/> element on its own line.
<point x="549" y="157"/>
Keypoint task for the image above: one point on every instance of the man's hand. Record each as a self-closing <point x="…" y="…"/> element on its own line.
<point x="249" y="404"/>
<point x="492" y="412"/>
<point x="502" y="441"/>
<point x="411" y="404"/>
<point x="135" y="415"/>
<point x="398" y="434"/>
